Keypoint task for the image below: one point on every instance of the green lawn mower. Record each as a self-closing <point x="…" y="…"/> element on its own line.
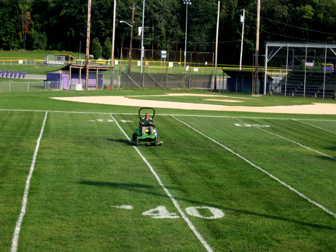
<point x="145" y="136"/>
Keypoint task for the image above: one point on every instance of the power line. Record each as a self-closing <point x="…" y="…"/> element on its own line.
<point x="281" y="35"/>
<point x="293" y="25"/>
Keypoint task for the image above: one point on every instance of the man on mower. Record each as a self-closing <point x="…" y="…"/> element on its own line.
<point x="147" y="123"/>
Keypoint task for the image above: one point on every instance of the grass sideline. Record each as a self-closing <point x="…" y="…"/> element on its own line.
<point x="92" y="191"/>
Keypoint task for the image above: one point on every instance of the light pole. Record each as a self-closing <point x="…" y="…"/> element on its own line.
<point x="242" y="20"/>
<point x="131" y="25"/>
<point x="113" y="41"/>
<point x="142" y="34"/>
<point x="186" y="2"/>
<point x="217" y="28"/>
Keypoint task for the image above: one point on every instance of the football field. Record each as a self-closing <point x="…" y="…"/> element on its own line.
<point x="71" y="181"/>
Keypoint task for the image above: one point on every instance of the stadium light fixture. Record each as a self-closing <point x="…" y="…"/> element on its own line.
<point x="122" y="21"/>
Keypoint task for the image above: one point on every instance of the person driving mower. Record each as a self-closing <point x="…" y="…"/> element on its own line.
<point x="146" y="133"/>
<point x="147" y="123"/>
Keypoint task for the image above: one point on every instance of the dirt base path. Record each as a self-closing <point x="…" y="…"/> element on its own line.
<point x="314" y="109"/>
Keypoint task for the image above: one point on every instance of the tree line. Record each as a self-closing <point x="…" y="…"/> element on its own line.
<point x="62" y="24"/>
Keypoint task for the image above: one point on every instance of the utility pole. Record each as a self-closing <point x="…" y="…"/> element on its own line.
<point x="113" y="39"/>
<point x="87" y="45"/>
<point x="215" y="84"/>
<point x="256" y="79"/>
<point x="186" y="2"/>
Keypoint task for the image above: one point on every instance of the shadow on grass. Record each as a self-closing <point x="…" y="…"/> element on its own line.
<point x="138" y="187"/>
<point x="331" y="158"/>
<point x="125" y="141"/>
<point x="132" y="187"/>
<point x="331" y="148"/>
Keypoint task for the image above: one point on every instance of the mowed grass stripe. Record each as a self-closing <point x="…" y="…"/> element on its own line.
<point x="259" y="168"/>
<point x="85" y="167"/>
<point x="19" y="132"/>
<point x="319" y="127"/>
<point x="260" y="213"/>
<point x="184" y="216"/>
<point x="26" y="190"/>
<point x="310" y="173"/>
<point x="290" y="140"/>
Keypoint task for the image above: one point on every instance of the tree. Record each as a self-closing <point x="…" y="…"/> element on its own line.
<point x="107" y="49"/>
<point x="96" y="48"/>
<point x="26" y="27"/>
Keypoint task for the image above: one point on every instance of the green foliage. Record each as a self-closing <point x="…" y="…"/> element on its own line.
<point x="107" y="49"/>
<point x="96" y="48"/>
<point x="62" y="24"/>
<point x="306" y="11"/>
<point x="39" y="40"/>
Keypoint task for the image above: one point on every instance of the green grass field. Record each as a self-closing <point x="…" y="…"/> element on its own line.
<point x="222" y="181"/>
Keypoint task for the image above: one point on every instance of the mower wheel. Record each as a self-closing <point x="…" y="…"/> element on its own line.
<point x="136" y="142"/>
<point x="156" y="143"/>
<point x="158" y="137"/>
<point x="134" y="136"/>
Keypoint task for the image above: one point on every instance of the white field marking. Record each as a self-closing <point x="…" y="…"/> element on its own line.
<point x="127" y="207"/>
<point x="160" y="212"/>
<point x="306" y="147"/>
<point x="259" y="168"/>
<point x="177" y="206"/>
<point x="251" y="125"/>
<point x="297" y="120"/>
<point x="216" y="213"/>
<point x="104" y="120"/>
<point x="207" y="116"/>
<point x="126" y="121"/>
<point x="26" y="191"/>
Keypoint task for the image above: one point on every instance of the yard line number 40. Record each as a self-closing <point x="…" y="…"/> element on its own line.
<point x="161" y="212"/>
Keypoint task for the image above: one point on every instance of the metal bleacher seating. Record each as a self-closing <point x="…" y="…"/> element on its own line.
<point x="12" y="74"/>
<point x="313" y="85"/>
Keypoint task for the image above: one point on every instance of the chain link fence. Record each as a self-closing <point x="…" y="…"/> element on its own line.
<point x="22" y="86"/>
<point x="170" y="81"/>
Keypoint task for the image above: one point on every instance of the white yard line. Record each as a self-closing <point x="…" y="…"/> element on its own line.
<point x="259" y="168"/>
<point x="306" y="147"/>
<point x="299" y="121"/>
<point x="26" y="191"/>
<point x="190" y="224"/>
<point x="207" y="116"/>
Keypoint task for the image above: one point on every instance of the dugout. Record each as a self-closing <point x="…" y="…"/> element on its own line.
<point x="72" y="77"/>
<point x="240" y="81"/>
<point x="303" y="69"/>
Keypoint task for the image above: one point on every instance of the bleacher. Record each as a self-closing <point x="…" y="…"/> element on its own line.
<point x="313" y="88"/>
<point x="12" y="74"/>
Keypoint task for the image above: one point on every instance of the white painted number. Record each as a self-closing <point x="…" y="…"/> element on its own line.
<point x="104" y="120"/>
<point x="101" y="120"/>
<point x="252" y="125"/>
<point x="160" y="213"/>
<point x="215" y="213"/>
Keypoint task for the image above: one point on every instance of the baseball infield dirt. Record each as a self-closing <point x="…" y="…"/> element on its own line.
<point x="315" y="108"/>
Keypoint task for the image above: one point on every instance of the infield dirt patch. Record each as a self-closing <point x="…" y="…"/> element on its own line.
<point x="315" y="108"/>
